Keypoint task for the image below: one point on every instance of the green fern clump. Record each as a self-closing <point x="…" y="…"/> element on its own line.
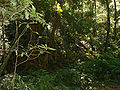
<point x="63" y="79"/>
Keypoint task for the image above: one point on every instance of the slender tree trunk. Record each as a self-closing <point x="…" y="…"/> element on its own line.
<point x="94" y="29"/>
<point x="3" y="40"/>
<point x="82" y="8"/>
<point x="93" y="34"/>
<point x="56" y="24"/>
<point x="115" y="20"/>
<point x="108" y="26"/>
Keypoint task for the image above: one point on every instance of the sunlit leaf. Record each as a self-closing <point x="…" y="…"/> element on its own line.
<point x="13" y="1"/>
<point x="33" y="9"/>
<point x="40" y="37"/>
<point x="26" y="14"/>
<point x="22" y="54"/>
<point x="26" y="55"/>
<point x="41" y="51"/>
<point x="29" y="1"/>
<point x="28" y="26"/>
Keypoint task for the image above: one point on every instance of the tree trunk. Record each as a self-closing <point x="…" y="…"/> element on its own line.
<point x="115" y="20"/>
<point x="36" y="27"/>
<point x="108" y="26"/>
<point x="94" y="29"/>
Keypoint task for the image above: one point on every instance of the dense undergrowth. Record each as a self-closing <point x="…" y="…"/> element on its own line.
<point x="81" y="76"/>
<point x="43" y="36"/>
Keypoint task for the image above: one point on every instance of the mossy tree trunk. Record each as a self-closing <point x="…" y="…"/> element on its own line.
<point x="108" y="26"/>
<point x="115" y="20"/>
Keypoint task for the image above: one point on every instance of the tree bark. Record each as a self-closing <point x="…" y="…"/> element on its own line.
<point x="115" y="20"/>
<point x="94" y="29"/>
<point x="108" y="26"/>
<point x="36" y="27"/>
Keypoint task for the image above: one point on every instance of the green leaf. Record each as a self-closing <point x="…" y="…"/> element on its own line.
<point x="13" y="1"/>
<point x="40" y="37"/>
<point x="28" y="26"/>
<point x="26" y="55"/>
<point x="33" y="9"/>
<point x="51" y="49"/>
<point x="41" y="52"/>
<point x="26" y="14"/>
<point x="29" y="1"/>
<point x="3" y="12"/>
<point x="22" y="54"/>
<point x="22" y="24"/>
<point x="37" y="33"/>
<point x="31" y="48"/>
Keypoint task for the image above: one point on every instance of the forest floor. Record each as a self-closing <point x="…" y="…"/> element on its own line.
<point x="110" y="86"/>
